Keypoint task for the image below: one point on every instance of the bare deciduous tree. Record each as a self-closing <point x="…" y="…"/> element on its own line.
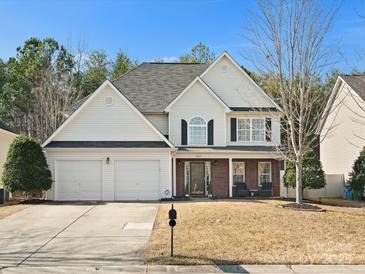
<point x="289" y="38"/>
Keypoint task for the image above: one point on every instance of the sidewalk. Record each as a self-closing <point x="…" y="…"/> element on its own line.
<point x="157" y="269"/>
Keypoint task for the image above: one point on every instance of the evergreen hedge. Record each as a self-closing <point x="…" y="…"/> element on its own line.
<point x="26" y="168"/>
<point x="313" y="175"/>
<point x="356" y="179"/>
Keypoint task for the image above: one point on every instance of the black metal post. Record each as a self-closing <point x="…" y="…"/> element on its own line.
<point x="172" y="241"/>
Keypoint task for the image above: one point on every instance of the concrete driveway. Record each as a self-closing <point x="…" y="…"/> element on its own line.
<point x="111" y="234"/>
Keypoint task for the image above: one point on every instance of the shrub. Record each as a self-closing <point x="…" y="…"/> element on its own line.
<point x="313" y="175"/>
<point x="356" y="179"/>
<point x="26" y="168"/>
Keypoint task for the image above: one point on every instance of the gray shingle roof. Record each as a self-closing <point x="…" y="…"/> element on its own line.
<point x="151" y="87"/>
<point x="107" y="144"/>
<point x="6" y="127"/>
<point x="76" y="105"/>
<point x="357" y="83"/>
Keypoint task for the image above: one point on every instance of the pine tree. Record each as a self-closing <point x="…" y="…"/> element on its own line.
<point x="356" y="179"/>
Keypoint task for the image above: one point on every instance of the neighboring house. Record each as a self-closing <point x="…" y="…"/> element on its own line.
<point x="168" y="130"/>
<point x="7" y="135"/>
<point x="342" y="130"/>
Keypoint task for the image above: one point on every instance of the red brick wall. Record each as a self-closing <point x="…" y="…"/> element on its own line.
<point x="220" y="178"/>
<point x="251" y="168"/>
<point x="220" y="175"/>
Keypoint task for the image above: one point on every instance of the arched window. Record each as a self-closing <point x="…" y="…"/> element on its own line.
<point x="197" y="131"/>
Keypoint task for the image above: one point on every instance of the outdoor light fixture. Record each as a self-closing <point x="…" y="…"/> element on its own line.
<point x="215" y="163"/>
<point x="107" y="160"/>
<point x="179" y="163"/>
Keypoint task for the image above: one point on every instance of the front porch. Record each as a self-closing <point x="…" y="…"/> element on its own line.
<point x="226" y="178"/>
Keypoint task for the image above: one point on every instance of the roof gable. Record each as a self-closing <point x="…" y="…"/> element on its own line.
<point x="355" y="86"/>
<point x="97" y="120"/>
<point x="356" y="82"/>
<point x="234" y="86"/>
<point x="205" y="87"/>
<point x="151" y="87"/>
<point x="6" y="128"/>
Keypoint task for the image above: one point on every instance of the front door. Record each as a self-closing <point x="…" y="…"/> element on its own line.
<point x="197" y="180"/>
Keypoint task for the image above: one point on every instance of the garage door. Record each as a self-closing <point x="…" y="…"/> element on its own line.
<point x="137" y="180"/>
<point x="79" y="180"/>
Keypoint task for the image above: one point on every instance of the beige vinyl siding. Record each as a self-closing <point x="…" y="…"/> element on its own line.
<point x="275" y="127"/>
<point x="160" y="121"/>
<point x="233" y="87"/>
<point x="54" y="155"/>
<point x="343" y="133"/>
<point x="98" y="121"/>
<point x="197" y="101"/>
<point x="6" y="138"/>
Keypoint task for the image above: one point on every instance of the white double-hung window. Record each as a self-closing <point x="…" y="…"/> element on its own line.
<point x="264" y="169"/>
<point x="243" y="130"/>
<point x="251" y="129"/>
<point x="238" y="172"/>
<point x="258" y="129"/>
<point x="197" y="131"/>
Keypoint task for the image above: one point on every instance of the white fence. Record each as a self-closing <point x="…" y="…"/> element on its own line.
<point x="333" y="188"/>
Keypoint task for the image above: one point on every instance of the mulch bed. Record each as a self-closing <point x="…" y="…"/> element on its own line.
<point x="302" y="207"/>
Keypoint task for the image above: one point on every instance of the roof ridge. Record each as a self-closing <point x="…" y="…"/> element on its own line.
<point x="355" y="74"/>
<point x="120" y="76"/>
<point x="174" y="63"/>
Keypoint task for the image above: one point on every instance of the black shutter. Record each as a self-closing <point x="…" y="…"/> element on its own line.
<point x="233" y="129"/>
<point x="184" y="132"/>
<point x="268" y="129"/>
<point x="211" y="132"/>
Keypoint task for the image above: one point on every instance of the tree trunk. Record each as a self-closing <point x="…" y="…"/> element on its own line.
<point x="298" y="181"/>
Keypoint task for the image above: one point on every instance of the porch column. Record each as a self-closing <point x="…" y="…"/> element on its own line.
<point x="230" y="179"/>
<point x="173" y="176"/>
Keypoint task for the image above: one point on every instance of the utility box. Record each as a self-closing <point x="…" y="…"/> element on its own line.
<point x="4" y="196"/>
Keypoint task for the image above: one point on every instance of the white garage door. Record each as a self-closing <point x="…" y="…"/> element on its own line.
<point x="79" y="180"/>
<point x="137" y="180"/>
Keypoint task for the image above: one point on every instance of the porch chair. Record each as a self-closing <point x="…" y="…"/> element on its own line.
<point x="241" y="190"/>
<point x="266" y="189"/>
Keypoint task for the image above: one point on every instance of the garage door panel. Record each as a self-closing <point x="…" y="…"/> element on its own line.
<point x="79" y="180"/>
<point x="137" y="180"/>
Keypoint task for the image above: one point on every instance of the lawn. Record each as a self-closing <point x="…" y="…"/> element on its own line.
<point x="258" y="232"/>
<point x="7" y="210"/>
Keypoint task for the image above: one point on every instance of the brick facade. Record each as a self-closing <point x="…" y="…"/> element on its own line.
<point x="220" y="175"/>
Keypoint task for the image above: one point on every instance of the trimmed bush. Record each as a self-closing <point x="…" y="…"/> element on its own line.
<point x="26" y="168"/>
<point x="313" y="175"/>
<point x="356" y="179"/>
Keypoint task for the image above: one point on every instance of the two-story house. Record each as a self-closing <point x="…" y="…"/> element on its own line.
<point x="342" y="131"/>
<point x="168" y="130"/>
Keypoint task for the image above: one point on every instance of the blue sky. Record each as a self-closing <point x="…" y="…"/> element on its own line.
<point x="147" y="30"/>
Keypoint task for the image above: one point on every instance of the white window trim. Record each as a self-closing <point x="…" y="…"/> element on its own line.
<point x="258" y="172"/>
<point x="250" y="118"/>
<point x="244" y="169"/>
<point x="206" y="131"/>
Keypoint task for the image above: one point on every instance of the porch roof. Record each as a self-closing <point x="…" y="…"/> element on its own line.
<point x="230" y="148"/>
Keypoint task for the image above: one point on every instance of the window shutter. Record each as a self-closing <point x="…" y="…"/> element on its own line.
<point x="184" y="132"/>
<point x="268" y="129"/>
<point x="211" y="132"/>
<point x="233" y="129"/>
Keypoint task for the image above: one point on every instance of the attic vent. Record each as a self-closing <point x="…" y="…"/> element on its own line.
<point x="108" y="100"/>
<point x="224" y="68"/>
